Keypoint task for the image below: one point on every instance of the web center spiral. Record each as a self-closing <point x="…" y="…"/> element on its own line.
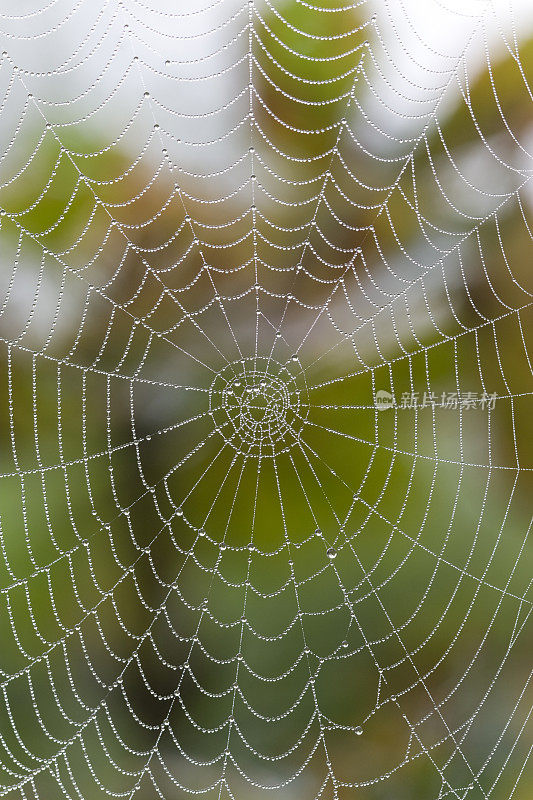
<point x="259" y="406"/>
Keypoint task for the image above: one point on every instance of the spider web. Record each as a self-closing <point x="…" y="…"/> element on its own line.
<point x="225" y="571"/>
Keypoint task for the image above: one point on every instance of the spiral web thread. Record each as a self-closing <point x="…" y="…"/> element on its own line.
<point x="225" y="572"/>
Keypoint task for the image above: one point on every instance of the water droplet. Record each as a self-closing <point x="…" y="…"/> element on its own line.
<point x="222" y="546"/>
<point x="358" y="731"/>
<point x="344" y="644"/>
<point x="294" y="358"/>
<point x="179" y="512"/>
<point x="331" y="553"/>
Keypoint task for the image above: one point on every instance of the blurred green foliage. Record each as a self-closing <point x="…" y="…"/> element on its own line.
<point x="308" y="69"/>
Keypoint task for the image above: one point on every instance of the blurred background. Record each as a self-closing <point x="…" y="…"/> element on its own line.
<point x="225" y="226"/>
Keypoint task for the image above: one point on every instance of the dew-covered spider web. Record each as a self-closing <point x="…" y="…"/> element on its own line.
<point x="265" y="399"/>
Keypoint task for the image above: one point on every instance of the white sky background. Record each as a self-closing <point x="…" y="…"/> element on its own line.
<point x="423" y="39"/>
<point x="426" y="38"/>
